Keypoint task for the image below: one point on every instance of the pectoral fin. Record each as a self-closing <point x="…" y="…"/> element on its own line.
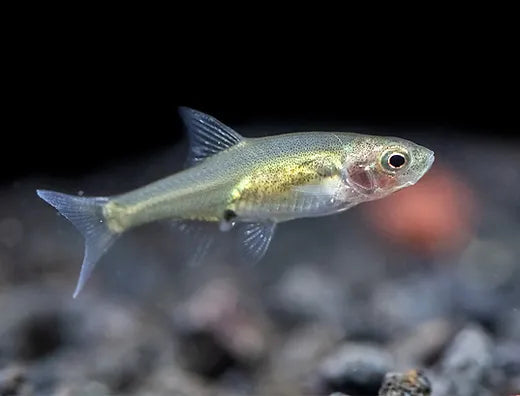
<point x="255" y="239"/>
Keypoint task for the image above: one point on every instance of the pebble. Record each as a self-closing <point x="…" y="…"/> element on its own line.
<point x="414" y="299"/>
<point x="507" y="358"/>
<point x="411" y="383"/>
<point x="170" y="380"/>
<point x="13" y="381"/>
<point x="307" y="293"/>
<point x="509" y="324"/>
<point x="468" y="362"/>
<point x="356" y="368"/>
<point x="65" y="343"/>
<point x="423" y="344"/>
<point x="217" y="331"/>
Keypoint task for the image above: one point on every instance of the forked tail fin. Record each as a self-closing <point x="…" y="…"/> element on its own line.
<point x="87" y="216"/>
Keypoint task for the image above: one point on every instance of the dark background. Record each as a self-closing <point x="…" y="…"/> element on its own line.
<point x="85" y="98"/>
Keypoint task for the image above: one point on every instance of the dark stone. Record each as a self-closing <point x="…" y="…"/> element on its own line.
<point x="203" y="354"/>
<point x="40" y="336"/>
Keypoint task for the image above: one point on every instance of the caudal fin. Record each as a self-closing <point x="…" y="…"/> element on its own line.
<point x="87" y="216"/>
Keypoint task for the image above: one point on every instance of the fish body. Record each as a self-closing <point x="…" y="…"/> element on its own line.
<point x="255" y="179"/>
<point x="257" y="182"/>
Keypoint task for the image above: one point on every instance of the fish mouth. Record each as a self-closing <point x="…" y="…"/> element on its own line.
<point x="429" y="162"/>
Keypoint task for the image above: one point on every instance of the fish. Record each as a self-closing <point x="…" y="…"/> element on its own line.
<point x="248" y="184"/>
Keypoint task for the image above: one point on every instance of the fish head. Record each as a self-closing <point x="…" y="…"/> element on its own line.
<point x="376" y="166"/>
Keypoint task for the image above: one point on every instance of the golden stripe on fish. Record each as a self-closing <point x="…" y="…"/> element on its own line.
<point x="280" y="176"/>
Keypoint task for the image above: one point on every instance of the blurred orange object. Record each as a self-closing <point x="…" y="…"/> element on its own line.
<point x="434" y="216"/>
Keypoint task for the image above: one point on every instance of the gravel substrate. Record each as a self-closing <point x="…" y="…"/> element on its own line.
<point x="335" y="308"/>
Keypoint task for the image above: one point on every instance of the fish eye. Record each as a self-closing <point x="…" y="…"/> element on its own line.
<point x="394" y="160"/>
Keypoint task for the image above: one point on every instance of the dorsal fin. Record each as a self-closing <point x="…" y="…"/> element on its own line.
<point x="207" y="135"/>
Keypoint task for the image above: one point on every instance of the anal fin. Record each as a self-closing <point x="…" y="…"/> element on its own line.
<point x="200" y="232"/>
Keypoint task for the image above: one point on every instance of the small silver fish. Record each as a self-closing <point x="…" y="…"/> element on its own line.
<point x="252" y="182"/>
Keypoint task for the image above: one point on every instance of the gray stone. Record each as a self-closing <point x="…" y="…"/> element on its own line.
<point x="217" y="331"/>
<point x="423" y="344"/>
<point x="308" y="293"/>
<point x="468" y="362"/>
<point x="13" y="381"/>
<point x="357" y="368"/>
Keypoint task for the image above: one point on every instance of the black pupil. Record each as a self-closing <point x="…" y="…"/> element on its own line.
<point x="397" y="160"/>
